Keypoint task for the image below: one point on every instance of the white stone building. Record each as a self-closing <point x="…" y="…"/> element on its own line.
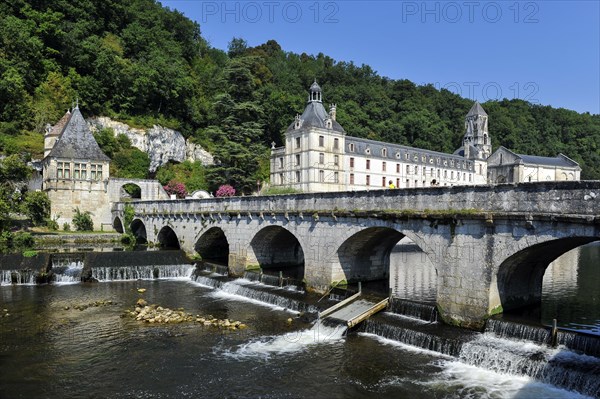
<point x="318" y="155"/>
<point x="504" y="166"/>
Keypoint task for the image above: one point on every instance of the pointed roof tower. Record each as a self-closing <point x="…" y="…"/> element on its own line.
<point x="314" y="114"/>
<point x="76" y="141"/>
<point x="476" y="109"/>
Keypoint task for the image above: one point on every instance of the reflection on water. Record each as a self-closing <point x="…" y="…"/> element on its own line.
<point x="412" y="274"/>
<point x="571" y="290"/>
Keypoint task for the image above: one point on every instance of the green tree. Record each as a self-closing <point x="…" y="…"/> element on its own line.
<point x="37" y="206"/>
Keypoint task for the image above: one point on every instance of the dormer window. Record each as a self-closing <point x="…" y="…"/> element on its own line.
<point x="367" y="151"/>
<point x="298" y="122"/>
<point x="384" y="152"/>
<point x="351" y="147"/>
<point x="328" y="123"/>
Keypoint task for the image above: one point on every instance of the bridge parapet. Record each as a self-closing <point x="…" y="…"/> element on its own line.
<point x="555" y="198"/>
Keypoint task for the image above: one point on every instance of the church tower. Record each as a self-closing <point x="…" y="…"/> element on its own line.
<point x="476" y="142"/>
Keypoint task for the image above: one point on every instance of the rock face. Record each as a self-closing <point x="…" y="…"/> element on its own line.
<point x="160" y="143"/>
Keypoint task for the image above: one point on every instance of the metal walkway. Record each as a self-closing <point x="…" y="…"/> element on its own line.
<point x="355" y="309"/>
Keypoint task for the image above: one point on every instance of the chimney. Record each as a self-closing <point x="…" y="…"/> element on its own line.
<point x="332" y="111"/>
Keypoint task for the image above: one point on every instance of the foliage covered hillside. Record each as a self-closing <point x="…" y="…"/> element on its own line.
<point x="141" y="63"/>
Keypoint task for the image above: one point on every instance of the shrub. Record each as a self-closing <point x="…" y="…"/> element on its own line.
<point x="177" y="188"/>
<point x="82" y="220"/>
<point x="30" y="253"/>
<point x="23" y="240"/>
<point x="51" y="224"/>
<point x="66" y="226"/>
<point x="225" y="191"/>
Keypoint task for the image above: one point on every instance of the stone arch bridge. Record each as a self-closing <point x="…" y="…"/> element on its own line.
<point x="490" y="245"/>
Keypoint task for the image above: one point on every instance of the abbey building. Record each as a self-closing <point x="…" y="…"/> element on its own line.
<point x="318" y="155"/>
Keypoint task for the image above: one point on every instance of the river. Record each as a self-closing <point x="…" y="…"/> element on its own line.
<point x="49" y="349"/>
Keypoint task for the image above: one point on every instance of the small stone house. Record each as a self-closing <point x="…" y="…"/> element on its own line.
<point x="75" y="172"/>
<point x="505" y="166"/>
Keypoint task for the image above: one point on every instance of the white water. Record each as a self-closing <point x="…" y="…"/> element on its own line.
<point x="290" y="342"/>
<point x="24" y="277"/>
<point x="471" y="382"/>
<point x="70" y="275"/>
<point x="122" y="273"/>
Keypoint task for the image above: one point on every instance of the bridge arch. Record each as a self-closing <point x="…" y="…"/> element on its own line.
<point x="520" y="276"/>
<point x="138" y="229"/>
<point x="365" y="255"/>
<point x="167" y="239"/>
<point x="118" y="225"/>
<point x="213" y="246"/>
<point x="275" y="249"/>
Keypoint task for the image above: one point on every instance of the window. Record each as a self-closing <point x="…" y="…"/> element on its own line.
<point x="397" y="183"/>
<point x="351" y="162"/>
<point x="83" y="171"/>
<point x="321" y="141"/>
<point x="297" y="177"/>
<point x="397" y="168"/>
<point x="336" y="144"/>
<point x="351" y="147"/>
<point x="470" y="177"/>
<point x="480" y="172"/>
<point x="62" y="170"/>
<point x="383" y="181"/>
<point x="445" y="174"/>
<point x="431" y="171"/>
<point x="352" y="178"/>
<point x="297" y="159"/>
<point x="321" y="176"/>
<point x="368" y="164"/>
<point x="408" y="169"/>
<point x="281" y="179"/>
<point x="416" y="170"/>
<point x="406" y="155"/>
<point x="297" y="142"/>
<point x="336" y="177"/>
<point x="280" y="163"/>
<point x="336" y="160"/>
<point x="321" y="158"/>
<point x="76" y="171"/>
<point x="407" y="183"/>
<point x="96" y="172"/>
<point x="368" y="180"/>
<point x="384" y="152"/>
<point x="452" y="175"/>
<point x="383" y="166"/>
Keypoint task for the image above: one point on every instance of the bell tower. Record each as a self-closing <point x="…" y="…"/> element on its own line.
<point x="476" y="142"/>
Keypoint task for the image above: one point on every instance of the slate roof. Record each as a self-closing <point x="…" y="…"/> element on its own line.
<point x="314" y="115"/>
<point x="60" y="125"/>
<point x="561" y="161"/>
<point x="476" y="109"/>
<point x="76" y="141"/>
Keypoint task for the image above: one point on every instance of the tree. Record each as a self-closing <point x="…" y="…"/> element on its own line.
<point x="37" y="206"/>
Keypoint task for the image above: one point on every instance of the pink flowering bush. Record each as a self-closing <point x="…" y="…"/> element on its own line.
<point x="177" y="188"/>
<point x="225" y="191"/>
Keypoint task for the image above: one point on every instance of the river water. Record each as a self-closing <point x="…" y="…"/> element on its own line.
<point x="49" y="349"/>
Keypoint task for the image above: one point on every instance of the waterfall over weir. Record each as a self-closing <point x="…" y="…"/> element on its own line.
<point x="275" y="296"/>
<point x="119" y="273"/>
<point x="505" y="347"/>
<point x="24" y="277"/>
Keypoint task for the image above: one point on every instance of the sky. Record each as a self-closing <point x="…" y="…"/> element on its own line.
<point x="546" y="52"/>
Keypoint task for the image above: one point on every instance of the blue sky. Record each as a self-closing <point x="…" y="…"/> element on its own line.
<point x="546" y="52"/>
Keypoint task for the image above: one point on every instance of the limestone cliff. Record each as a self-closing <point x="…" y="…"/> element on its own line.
<point x="160" y="143"/>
